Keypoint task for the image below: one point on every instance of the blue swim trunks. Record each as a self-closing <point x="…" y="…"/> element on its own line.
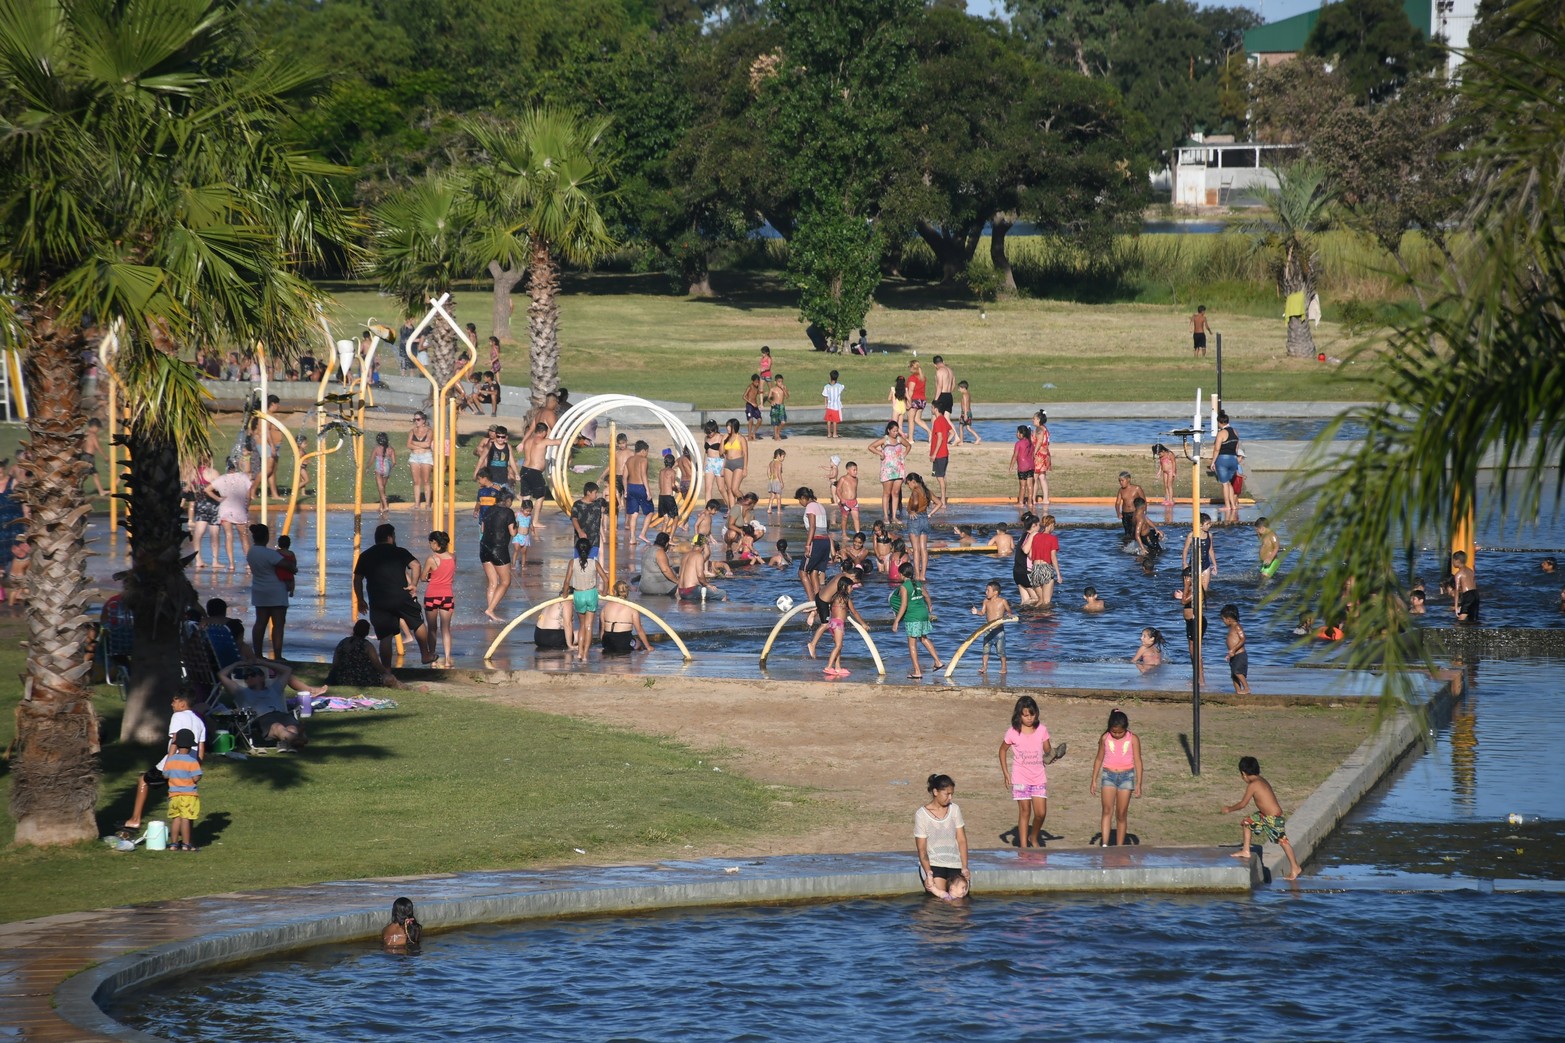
<point x="636" y="500"/>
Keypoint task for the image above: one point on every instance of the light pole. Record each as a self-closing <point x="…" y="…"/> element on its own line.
<point x="1197" y="595"/>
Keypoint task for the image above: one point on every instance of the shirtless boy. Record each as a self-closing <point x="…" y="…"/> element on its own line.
<point x="777" y="397"/>
<point x="846" y="490"/>
<point x="752" y="405"/>
<point x="1464" y="589"/>
<point x="1125" y="505"/>
<point x="1199" y="325"/>
<point x="637" y="502"/>
<point x="1271" y="548"/>
<point x="1238" y="658"/>
<point x="534" y="447"/>
<point x="1268" y="820"/>
<point x="945" y="387"/>
<point x="668" y="501"/>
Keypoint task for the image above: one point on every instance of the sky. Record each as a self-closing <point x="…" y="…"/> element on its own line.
<point x="1270" y="10"/>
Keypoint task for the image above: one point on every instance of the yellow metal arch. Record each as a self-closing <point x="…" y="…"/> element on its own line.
<point x="980" y="632"/>
<point x="766" y="650"/>
<point x="534" y="610"/>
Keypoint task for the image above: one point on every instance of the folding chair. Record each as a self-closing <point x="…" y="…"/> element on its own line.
<point x="116" y="641"/>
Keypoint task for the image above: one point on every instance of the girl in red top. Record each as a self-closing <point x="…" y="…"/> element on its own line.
<point x="1117" y="772"/>
<point x="1043" y="561"/>
<point x="916" y="401"/>
<point x="439" y="601"/>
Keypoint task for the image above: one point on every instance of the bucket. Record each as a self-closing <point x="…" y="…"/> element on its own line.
<point x="157" y="836"/>
<point x="223" y="742"/>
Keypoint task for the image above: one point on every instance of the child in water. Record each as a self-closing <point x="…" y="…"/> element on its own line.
<point x="1268" y="820"/>
<point x="404" y="932"/>
<point x="940" y="837"/>
<point x="1027" y="742"/>
<point x="1117" y="772"/>
<point x="1150" y="651"/>
<point x="993" y="609"/>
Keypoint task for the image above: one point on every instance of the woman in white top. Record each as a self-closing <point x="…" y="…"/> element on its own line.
<point x="941" y="838"/>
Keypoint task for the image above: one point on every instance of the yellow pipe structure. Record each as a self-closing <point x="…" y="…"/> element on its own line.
<point x="13" y="363"/>
<point x="318" y="455"/>
<point x="980" y="632"/>
<point x="1463" y="530"/>
<point x="766" y="650"/>
<point x="448" y="458"/>
<point x="293" y="493"/>
<point x="111" y="429"/>
<point x="365" y="399"/>
<point x="529" y="613"/>
<point x="449" y="517"/>
<point x="612" y="493"/>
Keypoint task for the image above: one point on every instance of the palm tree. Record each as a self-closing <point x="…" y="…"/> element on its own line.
<point x="545" y="177"/>
<point x="1473" y="380"/>
<point x="145" y="187"/>
<point x="1298" y="211"/>
<point x="423" y="236"/>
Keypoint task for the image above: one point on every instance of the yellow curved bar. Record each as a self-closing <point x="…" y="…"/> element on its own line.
<point x="518" y="621"/>
<point x="980" y="632"/>
<point x="766" y="649"/>
<point x="320" y="511"/>
<point x="568" y="434"/>
<point x="293" y="492"/>
<point x="655" y="618"/>
<point x="445" y="460"/>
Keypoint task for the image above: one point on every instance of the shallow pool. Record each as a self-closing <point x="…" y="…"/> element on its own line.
<point x="1109" y="430"/>
<point x="1275" y="965"/>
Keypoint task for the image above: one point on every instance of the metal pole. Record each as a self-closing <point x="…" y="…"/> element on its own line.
<point x="1197" y="595"/>
<point x="256" y="444"/>
<point x="1219" y="337"/>
<point x="450" y="515"/>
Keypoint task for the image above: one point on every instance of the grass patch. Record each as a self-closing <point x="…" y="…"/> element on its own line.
<point x="621" y="333"/>
<point x="440" y="784"/>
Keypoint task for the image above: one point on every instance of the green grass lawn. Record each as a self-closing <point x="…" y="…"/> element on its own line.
<point x="625" y="333"/>
<point x="439" y="784"/>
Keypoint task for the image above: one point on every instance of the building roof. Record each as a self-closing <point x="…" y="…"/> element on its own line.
<point x="1288" y="35"/>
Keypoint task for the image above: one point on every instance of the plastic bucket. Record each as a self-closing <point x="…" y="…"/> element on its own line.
<point x="223" y="742"/>
<point x="157" y="836"/>
<point x="306" y="706"/>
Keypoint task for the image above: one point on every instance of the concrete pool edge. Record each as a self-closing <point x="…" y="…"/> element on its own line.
<point x="349" y="910"/>
<point x="1313" y="821"/>
<point x="589" y="891"/>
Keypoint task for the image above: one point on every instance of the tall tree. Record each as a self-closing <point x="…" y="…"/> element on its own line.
<point x="1470" y="383"/>
<point x="146" y="184"/>
<point x="1296" y="213"/>
<point x="1373" y="45"/>
<point x="545" y="177"/>
<point x="830" y="104"/>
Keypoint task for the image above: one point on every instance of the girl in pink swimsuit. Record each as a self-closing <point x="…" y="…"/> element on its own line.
<point x="1117" y="772"/>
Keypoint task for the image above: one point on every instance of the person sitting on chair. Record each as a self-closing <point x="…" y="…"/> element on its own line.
<point x="261" y="692"/>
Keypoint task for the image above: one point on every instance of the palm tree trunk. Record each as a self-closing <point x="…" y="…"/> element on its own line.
<point x="55" y="770"/>
<point x="543" y="320"/>
<point x="443" y="345"/>
<point x="156" y="588"/>
<point x="1301" y="342"/>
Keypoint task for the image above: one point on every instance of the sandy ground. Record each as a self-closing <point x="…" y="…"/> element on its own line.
<point x="857" y="756"/>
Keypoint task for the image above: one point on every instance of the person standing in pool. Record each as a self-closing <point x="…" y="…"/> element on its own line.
<point x="1125" y="506"/>
<point x="913" y="606"/>
<point x="421" y="460"/>
<point x="1019" y="571"/>
<point x="1271" y="548"/>
<point x="1206" y="553"/>
<point x="404" y="932"/>
<point x="583" y="577"/>
<point x="940" y="837"/>
<point x="1464" y="589"/>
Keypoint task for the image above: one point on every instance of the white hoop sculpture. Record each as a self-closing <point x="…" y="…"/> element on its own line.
<point x="529" y="613"/>
<point x="980" y="632"/>
<point x="569" y="426"/>
<point x="766" y="650"/>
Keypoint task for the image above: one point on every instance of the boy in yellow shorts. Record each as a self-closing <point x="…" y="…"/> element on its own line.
<point x="184" y="802"/>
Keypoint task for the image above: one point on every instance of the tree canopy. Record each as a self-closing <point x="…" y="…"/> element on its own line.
<point x="1372" y="45"/>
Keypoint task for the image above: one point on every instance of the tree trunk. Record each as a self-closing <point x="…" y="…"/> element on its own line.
<point x="505" y="280"/>
<point x="701" y="285"/>
<point x="1301" y="342"/>
<point x="999" y="225"/>
<point x="950" y="250"/>
<point x="443" y="344"/>
<point x="156" y="588"/>
<point x="55" y="771"/>
<point x="543" y="321"/>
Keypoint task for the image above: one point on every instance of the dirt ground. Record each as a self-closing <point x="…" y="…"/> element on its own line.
<point x="859" y="754"/>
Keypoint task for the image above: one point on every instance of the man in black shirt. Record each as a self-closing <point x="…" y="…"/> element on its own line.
<point x="384" y="582"/>
<point x="494" y="550"/>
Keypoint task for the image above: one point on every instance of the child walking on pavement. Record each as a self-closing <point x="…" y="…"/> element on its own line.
<point x="1027" y="741"/>
<point x="1268" y="822"/>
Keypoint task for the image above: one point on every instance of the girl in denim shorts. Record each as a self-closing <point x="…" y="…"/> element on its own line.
<point x="1117" y="772"/>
